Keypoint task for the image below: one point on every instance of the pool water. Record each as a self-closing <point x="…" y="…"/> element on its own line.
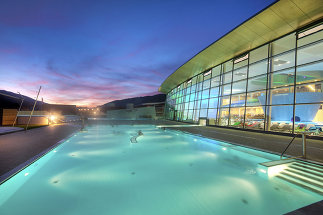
<point x="166" y="172"/>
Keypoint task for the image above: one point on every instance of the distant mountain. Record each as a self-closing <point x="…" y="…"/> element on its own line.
<point x="136" y="101"/>
<point x="12" y="100"/>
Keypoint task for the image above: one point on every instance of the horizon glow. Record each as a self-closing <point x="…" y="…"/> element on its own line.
<point x="92" y="52"/>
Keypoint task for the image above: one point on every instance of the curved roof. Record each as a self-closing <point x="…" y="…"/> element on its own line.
<point x="278" y="19"/>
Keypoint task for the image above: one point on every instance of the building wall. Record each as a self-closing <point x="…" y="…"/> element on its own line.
<point x="279" y="82"/>
<point x="35" y="120"/>
<point x="8" y="116"/>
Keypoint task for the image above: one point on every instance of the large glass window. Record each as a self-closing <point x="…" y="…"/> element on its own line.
<point x="227" y="66"/>
<point x="256" y="98"/>
<point x="205" y="94"/>
<point x="309" y="93"/>
<point x="240" y="74"/>
<point x="309" y="73"/>
<point x="216" y="71"/>
<point x="255" y="118"/>
<point x="206" y="84"/>
<point x="310" y="35"/>
<point x="226" y="89"/>
<point x="237" y="117"/>
<point x="258" y="54"/>
<point x="214" y="92"/>
<point x="240" y="92"/>
<point x="239" y="87"/>
<point x="225" y="101"/>
<point x="227" y="78"/>
<point x="215" y="81"/>
<point x="257" y="83"/>
<point x="311" y="115"/>
<point x="259" y="68"/>
<point x="241" y="62"/>
<point x="238" y="100"/>
<point x="224" y="116"/>
<point x="282" y="78"/>
<point x="310" y="53"/>
<point x="284" y="44"/>
<point x="278" y="96"/>
<point x="212" y="116"/>
<point x="203" y="112"/>
<point x="213" y="103"/>
<point x="283" y="61"/>
<point x="205" y="103"/>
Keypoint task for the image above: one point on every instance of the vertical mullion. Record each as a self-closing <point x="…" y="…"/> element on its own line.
<point x="229" y="117"/>
<point x="201" y="96"/>
<point x="245" y="102"/>
<point x="295" y="71"/>
<point x="208" y="104"/>
<point x="218" y="103"/>
<point x="268" y="88"/>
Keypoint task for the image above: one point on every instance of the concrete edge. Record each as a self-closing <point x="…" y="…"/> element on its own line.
<point x="5" y="177"/>
<point x="250" y="147"/>
<point x="9" y="132"/>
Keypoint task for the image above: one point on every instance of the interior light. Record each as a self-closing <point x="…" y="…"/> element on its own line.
<point x="311" y="87"/>
<point x="262" y="170"/>
<point x="207" y="73"/>
<point x="310" y="31"/>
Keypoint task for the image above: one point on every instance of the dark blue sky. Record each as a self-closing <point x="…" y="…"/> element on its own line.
<point x="89" y="52"/>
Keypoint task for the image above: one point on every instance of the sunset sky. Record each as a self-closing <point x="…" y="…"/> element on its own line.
<point x="89" y="52"/>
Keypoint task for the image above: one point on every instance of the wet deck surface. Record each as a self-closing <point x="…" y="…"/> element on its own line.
<point x="267" y="142"/>
<point x="6" y="130"/>
<point x="17" y="148"/>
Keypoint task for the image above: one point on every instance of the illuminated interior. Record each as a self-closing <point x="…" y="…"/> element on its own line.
<point x="275" y="87"/>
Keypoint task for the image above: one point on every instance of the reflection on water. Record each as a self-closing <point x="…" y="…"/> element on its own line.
<point x="165" y="172"/>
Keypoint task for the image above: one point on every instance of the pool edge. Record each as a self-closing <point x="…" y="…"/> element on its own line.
<point x="24" y="165"/>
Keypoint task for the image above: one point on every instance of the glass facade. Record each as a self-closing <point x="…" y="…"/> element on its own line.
<point x="276" y="87"/>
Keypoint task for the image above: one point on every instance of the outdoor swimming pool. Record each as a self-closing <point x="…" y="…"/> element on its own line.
<point x="166" y="172"/>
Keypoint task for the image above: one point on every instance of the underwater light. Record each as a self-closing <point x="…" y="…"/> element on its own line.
<point x="27" y="173"/>
<point x="262" y="170"/>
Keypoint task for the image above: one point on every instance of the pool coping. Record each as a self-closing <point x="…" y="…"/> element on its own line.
<point x="250" y="147"/>
<point x="8" y="175"/>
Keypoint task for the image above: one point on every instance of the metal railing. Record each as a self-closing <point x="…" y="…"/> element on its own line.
<point x="303" y="144"/>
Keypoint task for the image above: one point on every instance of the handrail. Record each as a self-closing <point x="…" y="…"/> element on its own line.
<point x="287" y="146"/>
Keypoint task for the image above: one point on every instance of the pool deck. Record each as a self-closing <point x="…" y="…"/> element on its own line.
<point x="272" y="143"/>
<point x="8" y="130"/>
<point x="19" y="147"/>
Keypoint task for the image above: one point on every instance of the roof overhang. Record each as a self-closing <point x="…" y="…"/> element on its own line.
<point x="278" y="19"/>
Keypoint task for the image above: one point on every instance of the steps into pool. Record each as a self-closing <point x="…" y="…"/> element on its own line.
<point x="303" y="174"/>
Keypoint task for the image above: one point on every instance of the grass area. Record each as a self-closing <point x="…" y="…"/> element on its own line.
<point x="30" y="126"/>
